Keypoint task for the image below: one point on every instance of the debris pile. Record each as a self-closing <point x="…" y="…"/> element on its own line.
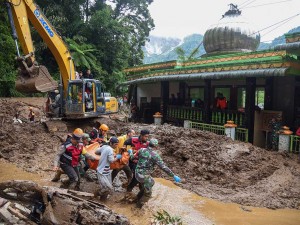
<point x="211" y="165"/>
<point x="25" y="202"/>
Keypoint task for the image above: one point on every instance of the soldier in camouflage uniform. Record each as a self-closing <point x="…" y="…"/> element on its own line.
<point x="148" y="158"/>
<point x="275" y="125"/>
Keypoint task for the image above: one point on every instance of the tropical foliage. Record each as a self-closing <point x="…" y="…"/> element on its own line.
<point x="164" y="218"/>
<point x="104" y="36"/>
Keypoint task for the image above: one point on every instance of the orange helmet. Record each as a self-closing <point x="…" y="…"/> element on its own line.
<point x="78" y="133"/>
<point x="104" y="127"/>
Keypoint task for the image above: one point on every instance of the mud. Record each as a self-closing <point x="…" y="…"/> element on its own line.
<point x="193" y="209"/>
<point x="210" y="165"/>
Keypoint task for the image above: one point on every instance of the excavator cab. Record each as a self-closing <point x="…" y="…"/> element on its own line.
<point x="84" y="99"/>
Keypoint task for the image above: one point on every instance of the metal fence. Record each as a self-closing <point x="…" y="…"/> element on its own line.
<point x="241" y="133"/>
<point x="294" y="143"/>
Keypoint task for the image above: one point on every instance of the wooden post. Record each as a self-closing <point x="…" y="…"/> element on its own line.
<point x="182" y="91"/>
<point x="233" y="98"/>
<point x="164" y="99"/>
<point x="207" y="101"/>
<point x="269" y="93"/>
<point x="250" y="106"/>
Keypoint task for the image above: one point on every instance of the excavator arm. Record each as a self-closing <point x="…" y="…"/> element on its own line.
<point x="33" y="77"/>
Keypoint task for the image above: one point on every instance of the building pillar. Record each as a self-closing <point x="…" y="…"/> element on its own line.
<point x="207" y="101"/>
<point x="230" y="129"/>
<point x="250" y="106"/>
<point x="164" y="98"/>
<point x="284" y="139"/>
<point x="233" y="98"/>
<point x="268" y="103"/>
<point x="182" y="92"/>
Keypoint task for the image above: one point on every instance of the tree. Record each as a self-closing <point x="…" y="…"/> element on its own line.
<point x="135" y="16"/>
<point x="8" y="70"/>
<point x="101" y="37"/>
<point x="83" y="54"/>
<point x="111" y="41"/>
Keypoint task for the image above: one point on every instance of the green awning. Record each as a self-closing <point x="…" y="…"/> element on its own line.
<point x="212" y="75"/>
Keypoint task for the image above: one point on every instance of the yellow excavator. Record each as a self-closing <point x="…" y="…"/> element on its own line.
<point x="79" y="98"/>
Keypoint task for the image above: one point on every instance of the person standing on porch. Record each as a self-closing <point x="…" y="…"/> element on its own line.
<point x="221" y="101"/>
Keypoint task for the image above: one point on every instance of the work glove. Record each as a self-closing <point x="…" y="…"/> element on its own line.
<point x="118" y="156"/>
<point x="130" y="151"/>
<point x="177" y="179"/>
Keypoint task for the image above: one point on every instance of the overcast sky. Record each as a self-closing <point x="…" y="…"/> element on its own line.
<point x="180" y="18"/>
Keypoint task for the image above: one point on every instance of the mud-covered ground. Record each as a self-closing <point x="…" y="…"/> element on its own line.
<point x="210" y="165"/>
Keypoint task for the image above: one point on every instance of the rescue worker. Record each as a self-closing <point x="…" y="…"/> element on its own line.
<point x="68" y="158"/>
<point x="31" y="114"/>
<point x="136" y="143"/>
<point x="118" y="150"/>
<point x="103" y="169"/>
<point x="85" y="141"/>
<point x="101" y="134"/>
<point x="147" y="159"/>
<point x="85" y="166"/>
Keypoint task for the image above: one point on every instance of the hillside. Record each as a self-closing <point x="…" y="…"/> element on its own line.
<point x="161" y="49"/>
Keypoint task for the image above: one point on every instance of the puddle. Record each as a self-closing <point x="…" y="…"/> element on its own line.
<point x="11" y="172"/>
<point x="193" y="209"/>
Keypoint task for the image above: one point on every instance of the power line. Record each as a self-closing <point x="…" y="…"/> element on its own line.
<point x="266" y="4"/>
<point x="247" y="4"/>
<point x="276" y="23"/>
<point x="277" y="39"/>
<point x="278" y="26"/>
<point x="244" y="3"/>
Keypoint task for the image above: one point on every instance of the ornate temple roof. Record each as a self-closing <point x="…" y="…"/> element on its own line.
<point x="233" y="33"/>
<point x="281" y="60"/>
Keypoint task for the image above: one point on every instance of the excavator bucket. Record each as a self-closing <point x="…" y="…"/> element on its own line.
<point x="35" y="79"/>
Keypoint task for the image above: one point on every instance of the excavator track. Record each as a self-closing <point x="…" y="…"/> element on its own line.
<point x="38" y="81"/>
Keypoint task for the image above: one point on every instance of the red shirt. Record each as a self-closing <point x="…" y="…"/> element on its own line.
<point x="298" y="132"/>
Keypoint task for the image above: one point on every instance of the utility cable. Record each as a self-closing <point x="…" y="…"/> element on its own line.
<point x="278" y="26"/>
<point x="277" y="39"/>
<point x="266" y="4"/>
<point x="243" y="3"/>
<point x="247" y="4"/>
<point x="276" y="23"/>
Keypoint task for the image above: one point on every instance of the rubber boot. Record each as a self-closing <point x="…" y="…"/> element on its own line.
<point x="57" y="176"/>
<point x="142" y="198"/>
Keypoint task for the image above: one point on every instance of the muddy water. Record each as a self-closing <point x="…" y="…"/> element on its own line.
<point x="9" y="171"/>
<point x="194" y="209"/>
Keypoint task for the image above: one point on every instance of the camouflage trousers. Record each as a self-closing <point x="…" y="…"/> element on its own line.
<point x="146" y="182"/>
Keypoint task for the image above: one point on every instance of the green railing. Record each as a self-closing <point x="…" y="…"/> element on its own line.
<point x="240" y="135"/>
<point x="294" y="143"/>
<point x="197" y="114"/>
<point x="221" y="117"/>
<point x="185" y="113"/>
<point x="217" y="129"/>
